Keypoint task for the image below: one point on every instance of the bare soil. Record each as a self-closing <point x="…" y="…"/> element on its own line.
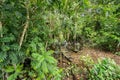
<point x="94" y="53"/>
<point x="75" y="59"/>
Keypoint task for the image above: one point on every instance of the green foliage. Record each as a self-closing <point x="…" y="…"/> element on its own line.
<point x="45" y="65"/>
<point x="16" y="70"/>
<point x="13" y="59"/>
<point x="96" y="21"/>
<point x="87" y="61"/>
<point x="105" y="69"/>
<point x="102" y="25"/>
<point x="117" y="53"/>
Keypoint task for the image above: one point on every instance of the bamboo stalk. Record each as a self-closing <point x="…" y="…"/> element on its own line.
<point x="25" y="27"/>
<point x="1" y="35"/>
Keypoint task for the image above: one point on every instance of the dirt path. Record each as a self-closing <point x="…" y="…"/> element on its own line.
<point x="75" y="58"/>
<point x="95" y="54"/>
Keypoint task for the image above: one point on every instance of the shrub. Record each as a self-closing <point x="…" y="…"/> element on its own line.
<point x="87" y="61"/>
<point x="117" y="53"/>
<point x="45" y="65"/>
<point x="105" y="69"/>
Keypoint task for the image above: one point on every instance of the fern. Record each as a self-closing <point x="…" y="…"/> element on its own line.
<point x="43" y="63"/>
<point x="3" y="60"/>
<point x="8" y="38"/>
<point x="3" y="56"/>
<point x="13" y="57"/>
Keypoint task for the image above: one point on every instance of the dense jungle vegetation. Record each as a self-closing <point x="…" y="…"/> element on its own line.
<point x="35" y="34"/>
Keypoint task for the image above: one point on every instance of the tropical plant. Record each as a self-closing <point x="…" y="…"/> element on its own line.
<point x="45" y="65"/>
<point x="26" y="24"/>
<point x="105" y="69"/>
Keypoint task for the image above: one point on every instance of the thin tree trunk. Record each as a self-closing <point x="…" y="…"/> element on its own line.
<point x="25" y="27"/>
<point x="1" y="31"/>
<point x="1" y="35"/>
